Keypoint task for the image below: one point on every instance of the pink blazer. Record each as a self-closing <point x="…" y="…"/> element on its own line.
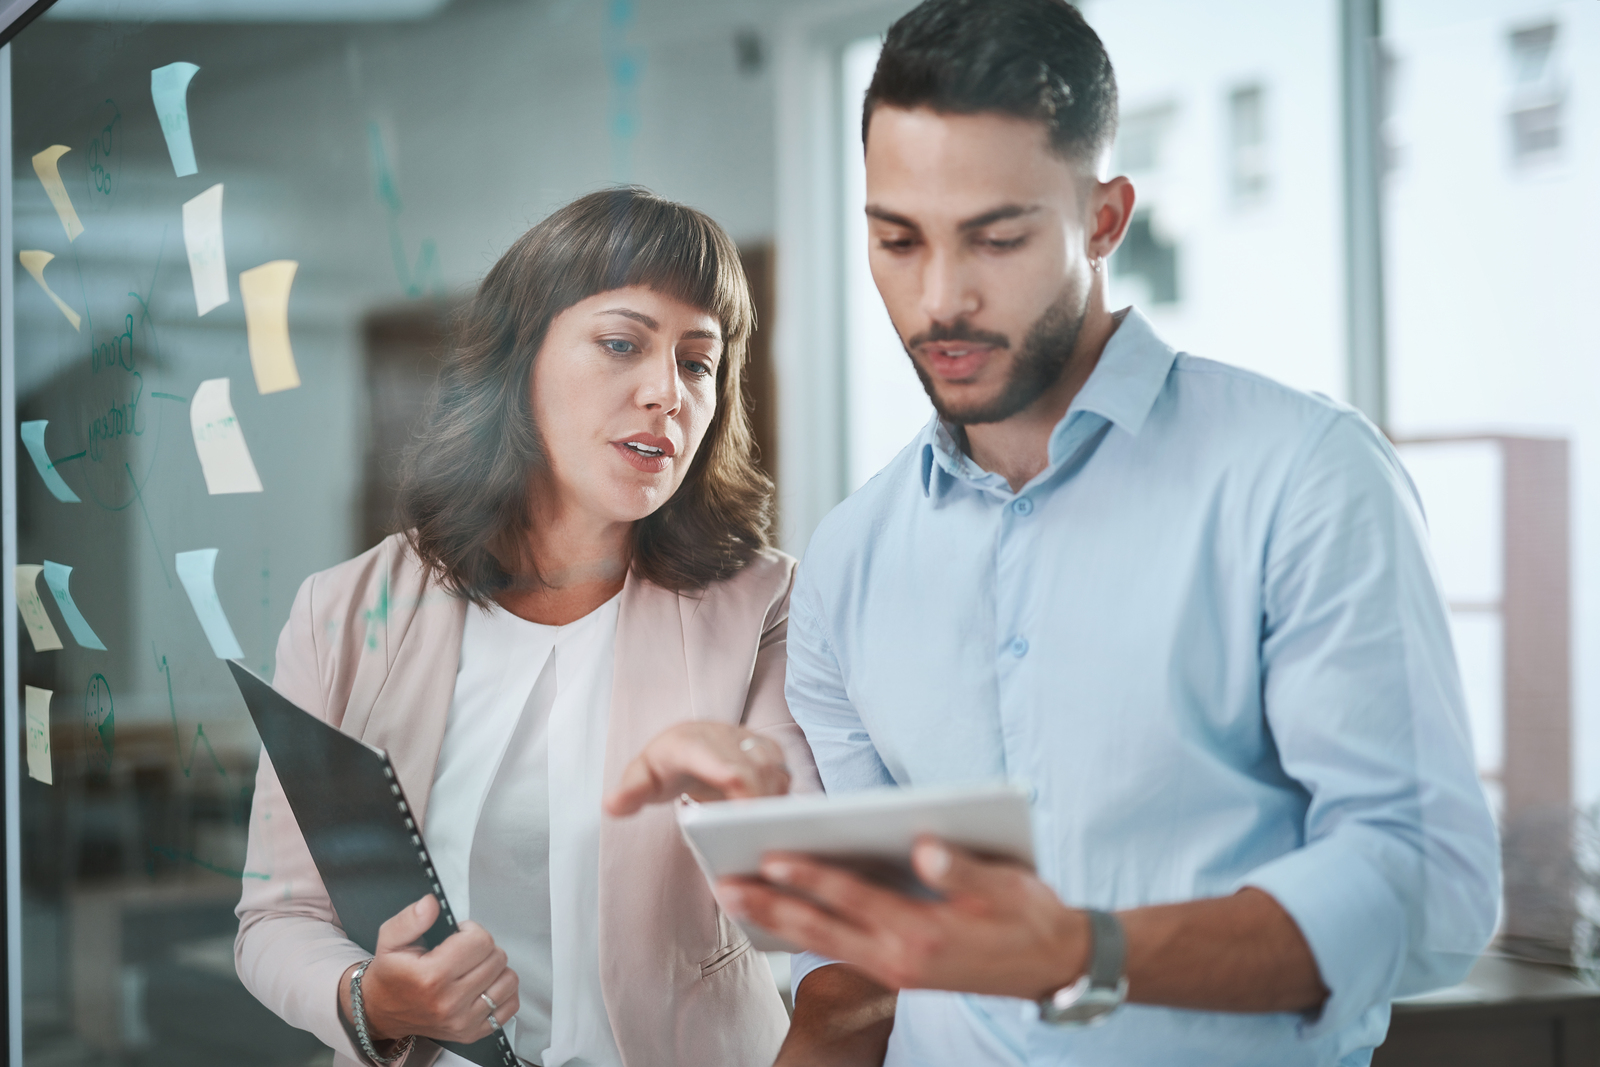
<point x="372" y="647"/>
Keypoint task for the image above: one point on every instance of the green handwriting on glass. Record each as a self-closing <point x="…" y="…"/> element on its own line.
<point x="119" y="420"/>
<point x="105" y="156"/>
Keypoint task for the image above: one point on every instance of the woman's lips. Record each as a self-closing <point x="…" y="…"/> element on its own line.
<point x="640" y="460"/>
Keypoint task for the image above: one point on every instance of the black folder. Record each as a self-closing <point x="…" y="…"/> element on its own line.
<point x="359" y="828"/>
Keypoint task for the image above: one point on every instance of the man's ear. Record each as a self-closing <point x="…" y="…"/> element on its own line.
<point x="1111" y="208"/>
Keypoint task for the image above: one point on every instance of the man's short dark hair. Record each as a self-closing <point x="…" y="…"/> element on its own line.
<point x="1035" y="59"/>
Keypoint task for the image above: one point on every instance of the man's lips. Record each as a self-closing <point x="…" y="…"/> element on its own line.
<point x="955" y="361"/>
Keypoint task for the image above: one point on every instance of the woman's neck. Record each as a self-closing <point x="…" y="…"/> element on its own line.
<point x="581" y="562"/>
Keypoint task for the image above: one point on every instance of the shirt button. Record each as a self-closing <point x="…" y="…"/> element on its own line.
<point x="1023" y="506"/>
<point x="1019" y="647"/>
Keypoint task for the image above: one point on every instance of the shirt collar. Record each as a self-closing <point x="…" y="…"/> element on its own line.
<point x="1122" y="389"/>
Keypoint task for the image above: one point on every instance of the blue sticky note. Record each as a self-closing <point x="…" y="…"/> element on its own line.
<point x="197" y="571"/>
<point x="56" y="576"/>
<point x="33" y="437"/>
<point x="169" y="88"/>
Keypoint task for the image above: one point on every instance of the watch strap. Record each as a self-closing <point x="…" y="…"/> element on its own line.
<point x="1108" y="950"/>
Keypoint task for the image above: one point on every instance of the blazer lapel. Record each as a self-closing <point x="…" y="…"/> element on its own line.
<point x="409" y="657"/>
<point x="650" y="682"/>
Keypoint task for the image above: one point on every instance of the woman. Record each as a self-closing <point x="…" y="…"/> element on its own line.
<point x="585" y="565"/>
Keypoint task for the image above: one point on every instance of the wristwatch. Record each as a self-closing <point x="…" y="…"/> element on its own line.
<point x="1094" y="996"/>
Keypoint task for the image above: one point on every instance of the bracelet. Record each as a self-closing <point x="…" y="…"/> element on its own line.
<point x="359" y="1010"/>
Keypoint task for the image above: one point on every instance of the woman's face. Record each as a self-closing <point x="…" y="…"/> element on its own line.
<point x="623" y="389"/>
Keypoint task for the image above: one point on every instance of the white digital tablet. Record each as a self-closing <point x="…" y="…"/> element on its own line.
<point x="870" y="833"/>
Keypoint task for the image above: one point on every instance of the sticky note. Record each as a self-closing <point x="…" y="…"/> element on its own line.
<point x="34" y="618"/>
<point x="33" y="262"/>
<point x="219" y="439"/>
<point x="45" y="166"/>
<point x="197" y="570"/>
<point x="56" y="576"/>
<point x="202" y="236"/>
<point x="169" y="88"/>
<point x="36" y="714"/>
<point x="265" y="292"/>
<point x="33" y="437"/>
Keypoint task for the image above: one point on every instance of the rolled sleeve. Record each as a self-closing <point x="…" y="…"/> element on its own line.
<point x="1396" y="884"/>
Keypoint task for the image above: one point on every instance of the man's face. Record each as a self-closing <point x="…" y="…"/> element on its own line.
<point x="976" y="241"/>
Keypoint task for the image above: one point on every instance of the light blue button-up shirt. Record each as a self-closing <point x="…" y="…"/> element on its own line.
<point x="1210" y="637"/>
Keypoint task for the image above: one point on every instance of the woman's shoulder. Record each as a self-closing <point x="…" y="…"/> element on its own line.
<point x="380" y="587"/>
<point x="759" y="589"/>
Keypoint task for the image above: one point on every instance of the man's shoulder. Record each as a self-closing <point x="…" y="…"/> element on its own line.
<point x="1214" y="388"/>
<point x="863" y="516"/>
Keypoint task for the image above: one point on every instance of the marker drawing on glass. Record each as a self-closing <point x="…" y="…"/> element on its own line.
<point x="45" y="165"/>
<point x="219" y="440"/>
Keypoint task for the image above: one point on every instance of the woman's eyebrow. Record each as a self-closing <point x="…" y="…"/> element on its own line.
<point x="636" y="316"/>
<point x="701" y="335"/>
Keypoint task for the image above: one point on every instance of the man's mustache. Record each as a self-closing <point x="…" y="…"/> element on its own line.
<point x="958" y="331"/>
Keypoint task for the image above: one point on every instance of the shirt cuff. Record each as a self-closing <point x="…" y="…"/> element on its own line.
<point x="800" y="965"/>
<point x="1353" y="921"/>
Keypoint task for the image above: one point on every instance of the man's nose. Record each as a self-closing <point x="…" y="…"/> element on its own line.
<point x="947" y="292"/>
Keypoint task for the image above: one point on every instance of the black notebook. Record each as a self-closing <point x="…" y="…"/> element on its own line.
<point x="359" y="828"/>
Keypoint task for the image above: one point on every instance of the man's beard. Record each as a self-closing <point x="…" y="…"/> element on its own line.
<point x="1037" y="366"/>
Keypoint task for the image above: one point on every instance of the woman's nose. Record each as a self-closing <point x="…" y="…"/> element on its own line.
<point x="660" y="389"/>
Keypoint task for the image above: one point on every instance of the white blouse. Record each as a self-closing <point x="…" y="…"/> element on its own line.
<point x="513" y="822"/>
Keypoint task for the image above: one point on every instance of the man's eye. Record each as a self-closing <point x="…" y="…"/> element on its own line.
<point x="618" y="346"/>
<point x="896" y="244"/>
<point x="1000" y="245"/>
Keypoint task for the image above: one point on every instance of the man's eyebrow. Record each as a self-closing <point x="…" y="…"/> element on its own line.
<point x="977" y="222"/>
<point x="885" y="215"/>
<point x="637" y="316"/>
<point x="999" y="214"/>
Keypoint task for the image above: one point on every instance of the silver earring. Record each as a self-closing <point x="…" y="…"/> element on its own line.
<point x="1094" y="264"/>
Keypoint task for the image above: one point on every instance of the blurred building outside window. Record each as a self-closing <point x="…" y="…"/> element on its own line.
<point x="1247" y="143"/>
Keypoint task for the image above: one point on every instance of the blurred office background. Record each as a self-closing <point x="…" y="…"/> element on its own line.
<point x="1391" y="203"/>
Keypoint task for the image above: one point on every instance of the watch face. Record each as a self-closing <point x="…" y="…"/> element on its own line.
<point x="1082" y="1004"/>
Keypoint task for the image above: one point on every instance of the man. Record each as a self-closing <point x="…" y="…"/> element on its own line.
<point x="1192" y="608"/>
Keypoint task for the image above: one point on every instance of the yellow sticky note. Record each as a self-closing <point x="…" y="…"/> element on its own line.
<point x="265" y="292"/>
<point x="45" y="165"/>
<point x="37" y="621"/>
<point x="33" y="262"/>
<point x="36" y="712"/>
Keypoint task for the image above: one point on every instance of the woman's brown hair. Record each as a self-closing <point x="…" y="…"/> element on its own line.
<point x="465" y="496"/>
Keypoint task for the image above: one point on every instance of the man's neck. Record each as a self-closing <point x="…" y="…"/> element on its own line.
<point x="1018" y="448"/>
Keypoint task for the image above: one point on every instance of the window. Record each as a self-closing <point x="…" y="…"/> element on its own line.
<point x="1146" y="258"/>
<point x="1536" y="95"/>
<point x="1247" y="142"/>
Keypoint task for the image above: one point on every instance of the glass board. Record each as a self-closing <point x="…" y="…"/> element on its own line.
<point x="237" y="246"/>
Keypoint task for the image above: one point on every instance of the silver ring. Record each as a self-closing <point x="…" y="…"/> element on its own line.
<point x="487" y="999"/>
<point x="748" y="744"/>
<point x="494" y="1024"/>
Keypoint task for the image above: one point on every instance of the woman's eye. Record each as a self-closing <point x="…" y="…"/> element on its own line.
<point x="620" y="347"/>
<point x="696" y="368"/>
